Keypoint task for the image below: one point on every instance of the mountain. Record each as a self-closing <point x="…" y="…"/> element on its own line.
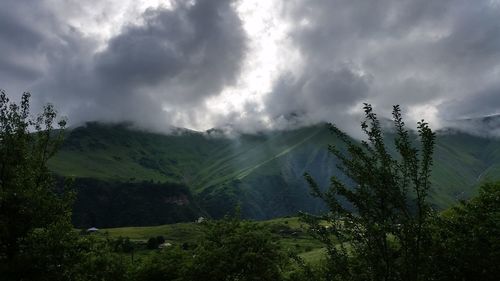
<point x="212" y="174"/>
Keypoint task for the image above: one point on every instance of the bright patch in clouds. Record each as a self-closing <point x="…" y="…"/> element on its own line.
<point x="101" y="20"/>
<point x="429" y="112"/>
<point x="266" y="58"/>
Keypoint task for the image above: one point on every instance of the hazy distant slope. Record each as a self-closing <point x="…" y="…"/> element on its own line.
<point x="462" y="162"/>
<point x="261" y="172"/>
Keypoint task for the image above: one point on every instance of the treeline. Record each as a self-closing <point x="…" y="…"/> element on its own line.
<point x="107" y="204"/>
<point x="380" y="228"/>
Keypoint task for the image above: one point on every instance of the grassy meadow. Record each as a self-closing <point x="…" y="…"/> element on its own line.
<point x="290" y="232"/>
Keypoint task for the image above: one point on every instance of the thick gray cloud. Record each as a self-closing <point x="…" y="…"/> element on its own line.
<point x="439" y="59"/>
<point x="154" y="74"/>
<point x="442" y="54"/>
<point x="20" y="41"/>
<point x="193" y="51"/>
<point x="479" y="104"/>
<point x="317" y="95"/>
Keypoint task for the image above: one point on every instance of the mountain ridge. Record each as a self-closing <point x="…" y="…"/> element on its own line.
<point x="260" y="172"/>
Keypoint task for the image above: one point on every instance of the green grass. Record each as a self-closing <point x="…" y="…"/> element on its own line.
<point x="295" y="237"/>
<point x="180" y="232"/>
<point x="102" y="165"/>
<point x="113" y="152"/>
<point x="314" y="256"/>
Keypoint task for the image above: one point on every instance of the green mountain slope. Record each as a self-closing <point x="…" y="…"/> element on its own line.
<point x="113" y="152"/>
<point x="261" y="172"/>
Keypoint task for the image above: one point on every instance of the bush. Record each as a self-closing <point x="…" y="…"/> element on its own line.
<point x="98" y="261"/>
<point x="152" y="243"/>
<point x="36" y="235"/>
<point x="231" y="249"/>
<point x="169" y="264"/>
<point x="467" y="238"/>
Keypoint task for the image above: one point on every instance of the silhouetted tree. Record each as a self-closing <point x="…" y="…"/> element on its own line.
<point x="36" y="235"/>
<point x="383" y="232"/>
<point x="467" y="238"/>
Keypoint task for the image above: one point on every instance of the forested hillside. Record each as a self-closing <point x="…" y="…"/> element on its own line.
<point x="261" y="172"/>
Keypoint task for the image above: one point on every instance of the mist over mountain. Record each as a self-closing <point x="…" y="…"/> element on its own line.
<point x="486" y="126"/>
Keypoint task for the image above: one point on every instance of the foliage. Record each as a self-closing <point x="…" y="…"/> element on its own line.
<point x="35" y="229"/>
<point x="232" y="249"/>
<point x="166" y="265"/>
<point x="384" y="233"/>
<point x="154" y="242"/>
<point x="467" y="238"/>
<point x="228" y="249"/>
<point x="111" y="204"/>
<point x="123" y="245"/>
<point x="48" y="253"/>
<point x="98" y="261"/>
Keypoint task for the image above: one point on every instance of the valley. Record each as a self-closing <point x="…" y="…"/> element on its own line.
<point x="288" y="231"/>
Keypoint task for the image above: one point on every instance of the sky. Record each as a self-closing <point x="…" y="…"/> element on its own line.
<point x="252" y="65"/>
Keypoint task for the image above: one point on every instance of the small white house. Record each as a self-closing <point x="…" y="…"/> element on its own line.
<point x="92" y="230"/>
<point x="164" y="245"/>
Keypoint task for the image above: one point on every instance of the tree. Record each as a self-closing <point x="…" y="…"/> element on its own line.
<point x="466" y="238"/>
<point x="231" y="249"/>
<point x="35" y="228"/>
<point x="153" y="243"/>
<point x="379" y="220"/>
<point x="124" y="245"/>
<point x="166" y="265"/>
<point x="98" y="261"/>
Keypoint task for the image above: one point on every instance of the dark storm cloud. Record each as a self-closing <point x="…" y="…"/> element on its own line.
<point x="197" y="49"/>
<point x="432" y="56"/>
<point x="404" y="52"/>
<point x="316" y="94"/>
<point x="154" y="74"/>
<point x="482" y="103"/>
<point x="20" y="40"/>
